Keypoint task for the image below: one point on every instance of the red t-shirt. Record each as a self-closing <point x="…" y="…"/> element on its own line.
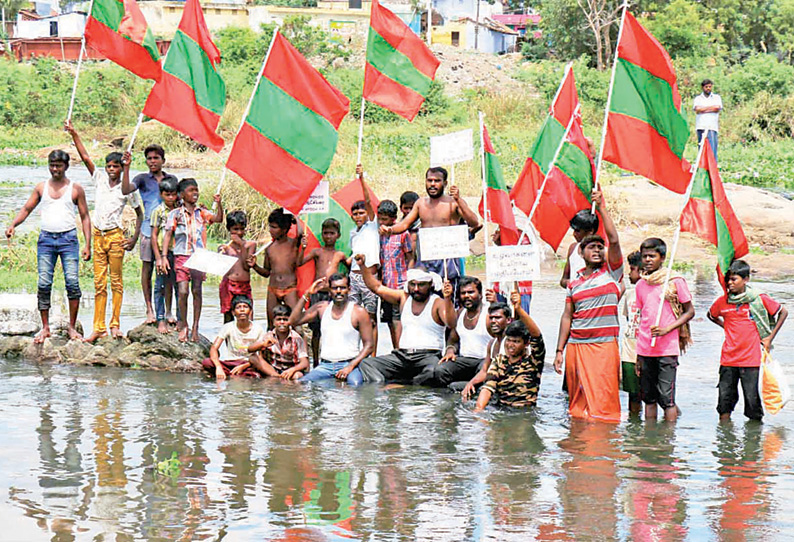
<point x="742" y="346"/>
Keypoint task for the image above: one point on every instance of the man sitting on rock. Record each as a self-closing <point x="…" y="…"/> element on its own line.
<point x="244" y="340"/>
<point x="422" y="340"/>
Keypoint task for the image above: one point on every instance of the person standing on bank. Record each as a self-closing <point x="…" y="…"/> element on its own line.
<point x="346" y="335"/>
<point x="707" y="107"/>
<point x="60" y="197"/>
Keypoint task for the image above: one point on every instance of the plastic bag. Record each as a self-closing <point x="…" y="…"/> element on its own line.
<point x="772" y="384"/>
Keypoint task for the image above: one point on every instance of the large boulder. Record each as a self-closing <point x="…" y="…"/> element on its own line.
<point x="19" y="315"/>
<point x="143" y="348"/>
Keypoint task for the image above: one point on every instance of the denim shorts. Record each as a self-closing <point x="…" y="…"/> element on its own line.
<point x="51" y="245"/>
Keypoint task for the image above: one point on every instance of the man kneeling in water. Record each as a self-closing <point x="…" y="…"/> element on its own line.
<point x="345" y="331"/>
<point x="422" y="317"/>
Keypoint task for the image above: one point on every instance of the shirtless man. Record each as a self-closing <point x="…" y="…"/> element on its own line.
<point x="280" y="263"/>
<point x="423" y="317"/>
<point x="59" y="197"/>
<point x="348" y="332"/>
<point x="437" y="210"/>
<point x="326" y="263"/>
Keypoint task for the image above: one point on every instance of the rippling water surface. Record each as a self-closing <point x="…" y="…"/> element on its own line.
<point x="264" y="460"/>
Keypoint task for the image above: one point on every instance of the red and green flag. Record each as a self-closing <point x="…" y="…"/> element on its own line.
<point x="289" y="136"/>
<point x="709" y="215"/>
<point x="570" y="176"/>
<point x="646" y="128"/>
<point x="400" y="67"/>
<point x="118" y="30"/>
<point x="339" y="207"/>
<point x="500" y="211"/>
<point x="191" y="95"/>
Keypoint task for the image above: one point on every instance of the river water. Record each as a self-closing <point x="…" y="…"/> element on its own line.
<point x="266" y="460"/>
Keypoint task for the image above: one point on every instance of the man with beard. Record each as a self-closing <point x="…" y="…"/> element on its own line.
<point x="434" y="211"/>
<point x="346" y="331"/>
<point x="422" y="340"/>
<point x="468" y="341"/>
<point x="499" y="318"/>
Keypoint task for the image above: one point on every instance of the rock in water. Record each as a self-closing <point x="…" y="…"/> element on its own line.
<point x="143" y="348"/>
<point x="19" y="315"/>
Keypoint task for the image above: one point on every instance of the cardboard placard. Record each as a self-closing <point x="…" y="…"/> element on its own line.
<point x="512" y="263"/>
<point x="210" y="262"/>
<point x="452" y="148"/>
<point x="318" y="201"/>
<point x="444" y="243"/>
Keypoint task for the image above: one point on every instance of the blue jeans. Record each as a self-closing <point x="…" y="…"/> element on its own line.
<point x="712" y="140"/>
<point x="50" y="246"/>
<point x="327" y="369"/>
<point x="159" y="289"/>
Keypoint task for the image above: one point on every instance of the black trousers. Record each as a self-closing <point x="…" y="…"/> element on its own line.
<point x="729" y="391"/>
<point x="462" y="369"/>
<point x="402" y="366"/>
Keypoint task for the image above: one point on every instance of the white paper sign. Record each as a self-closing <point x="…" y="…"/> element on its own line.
<point x="318" y="201"/>
<point x="512" y="263"/>
<point x="210" y="262"/>
<point x="444" y="243"/>
<point x="451" y="148"/>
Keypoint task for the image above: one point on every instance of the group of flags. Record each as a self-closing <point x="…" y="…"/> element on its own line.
<point x="289" y="132"/>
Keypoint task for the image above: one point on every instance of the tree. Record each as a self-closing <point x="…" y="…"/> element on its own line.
<point x="564" y="29"/>
<point x="783" y="27"/>
<point x="682" y="30"/>
<point x="12" y="7"/>
<point x="601" y="17"/>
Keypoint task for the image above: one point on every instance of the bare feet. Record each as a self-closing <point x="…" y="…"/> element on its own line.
<point x="93" y="337"/>
<point x="170" y="319"/>
<point x="74" y="335"/>
<point x="162" y="327"/>
<point x="194" y="337"/>
<point x="150" y="318"/>
<point x="116" y="333"/>
<point x="183" y="331"/>
<point x="42" y="335"/>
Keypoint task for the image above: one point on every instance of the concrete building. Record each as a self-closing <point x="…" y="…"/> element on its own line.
<point x="66" y="25"/>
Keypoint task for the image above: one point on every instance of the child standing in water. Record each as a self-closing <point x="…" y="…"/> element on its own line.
<point x="281" y="262"/>
<point x="186" y="225"/>
<point x="628" y="346"/>
<point x="238" y="280"/>
<point x="108" y="234"/>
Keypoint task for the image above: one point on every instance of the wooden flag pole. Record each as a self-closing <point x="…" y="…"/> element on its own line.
<point x="485" y="210"/>
<point x="605" y="125"/>
<point x="676" y="237"/>
<point x="248" y="107"/>
<point x="361" y="130"/>
<point x="79" y="65"/>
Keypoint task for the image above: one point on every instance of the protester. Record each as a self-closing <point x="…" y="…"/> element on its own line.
<point x="407" y="201"/>
<point x="364" y="240"/>
<point x="244" y="340"/>
<point x="285" y="354"/>
<point x="346" y="331"/>
<point x="109" y="241"/>
<point x="396" y="257"/>
<point x="438" y="210"/>
<point x="281" y="261"/>
<point x="628" y="346"/>
<point x="148" y="187"/>
<point x="422" y="317"/>
<point x="514" y="377"/>
<point x="467" y="345"/>
<point x="165" y="283"/>
<point x="707" y="106"/>
<point x="751" y="321"/>
<point x="499" y="317"/>
<point x="61" y="199"/>
<point x="327" y="261"/>
<point x="659" y="344"/>
<point x="186" y="225"/>
<point x="583" y="224"/>
<point x="238" y="280"/>
<point x="589" y="327"/>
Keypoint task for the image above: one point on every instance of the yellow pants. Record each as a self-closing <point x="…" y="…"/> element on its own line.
<point x="108" y="255"/>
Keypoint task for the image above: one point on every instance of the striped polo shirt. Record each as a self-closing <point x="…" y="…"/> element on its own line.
<point x="595" y="305"/>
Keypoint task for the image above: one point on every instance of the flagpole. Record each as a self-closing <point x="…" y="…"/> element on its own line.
<point x="605" y="125"/>
<point x="553" y="161"/>
<point x="568" y="68"/>
<point x="79" y="65"/>
<point x="429" y="22"/>
<point x="248" y="107"/>
<point x="361" y="129"/>
<point x="140" y="116"/>
<point x="677" y="235"/>
<point x="484" y="187"/>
